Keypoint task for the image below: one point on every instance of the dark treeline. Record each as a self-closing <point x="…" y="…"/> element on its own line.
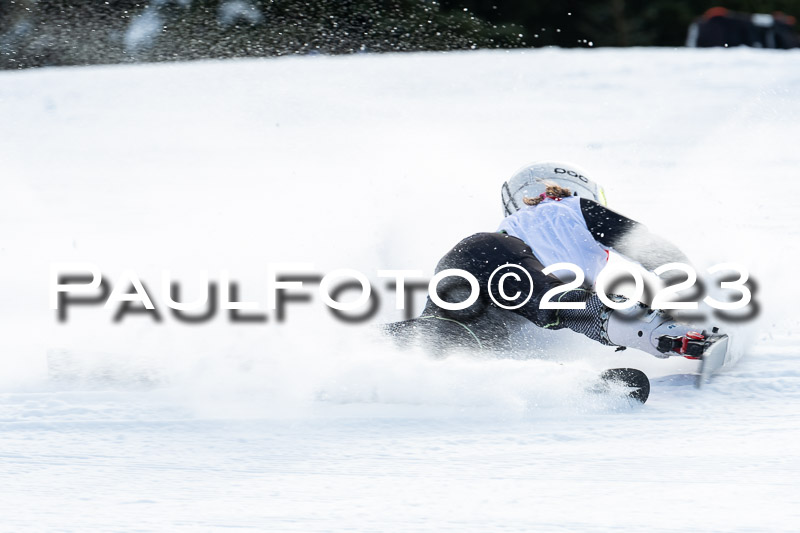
<point x="78" y="32"/>
<point x="571" y="23"/>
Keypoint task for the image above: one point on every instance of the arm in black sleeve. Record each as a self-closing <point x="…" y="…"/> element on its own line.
<point x="629" y="237"/>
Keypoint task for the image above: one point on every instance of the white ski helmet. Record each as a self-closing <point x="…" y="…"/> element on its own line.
<point x="531" y="181"/>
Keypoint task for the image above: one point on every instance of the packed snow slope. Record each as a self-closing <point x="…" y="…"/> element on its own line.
<point x="383" y="162"/>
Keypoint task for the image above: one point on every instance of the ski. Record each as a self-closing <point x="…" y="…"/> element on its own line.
<point x="712" y="359"/>
<point x="636" y="381"/>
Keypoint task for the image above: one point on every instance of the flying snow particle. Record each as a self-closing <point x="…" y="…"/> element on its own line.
<point x="143" y="30"/>
<point x="231" y="12"/>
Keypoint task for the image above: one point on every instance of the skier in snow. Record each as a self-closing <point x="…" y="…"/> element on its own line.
<point x="553" y="213"/>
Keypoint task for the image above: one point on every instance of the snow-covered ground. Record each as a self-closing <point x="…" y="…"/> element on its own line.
<point x="383" y="162"/>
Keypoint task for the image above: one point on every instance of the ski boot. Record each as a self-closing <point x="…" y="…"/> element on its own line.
<point x="658" y="334"/>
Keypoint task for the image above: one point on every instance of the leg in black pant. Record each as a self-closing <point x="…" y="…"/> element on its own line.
<point x="483" y="325"/>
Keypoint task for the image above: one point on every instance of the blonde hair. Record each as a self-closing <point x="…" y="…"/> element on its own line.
<point x="552" y="191"/>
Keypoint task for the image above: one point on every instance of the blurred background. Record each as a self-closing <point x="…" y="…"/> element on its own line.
<point x="80" y="32"/>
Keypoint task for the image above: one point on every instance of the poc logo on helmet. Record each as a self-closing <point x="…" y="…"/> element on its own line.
<point x="571" y="173"/>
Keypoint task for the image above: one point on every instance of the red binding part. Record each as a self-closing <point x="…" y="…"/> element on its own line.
<point x="693" y="335"/>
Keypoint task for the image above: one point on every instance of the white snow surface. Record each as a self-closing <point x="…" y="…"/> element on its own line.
<point x="384" y="162"/>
